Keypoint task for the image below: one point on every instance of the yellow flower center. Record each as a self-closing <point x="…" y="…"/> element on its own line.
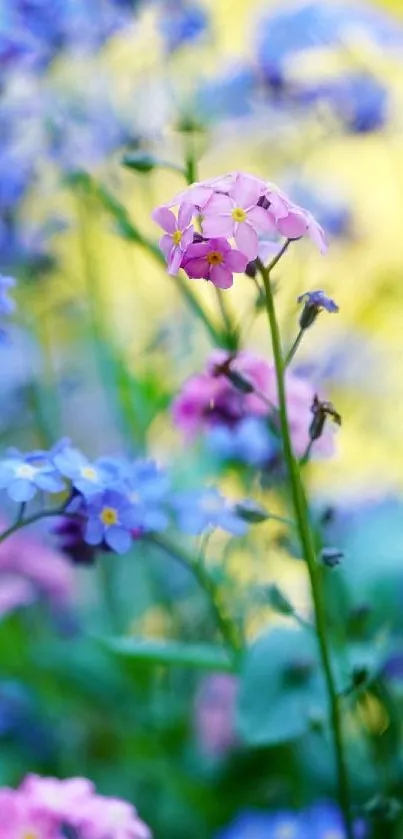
<point x="238" y="214"/>
<point x="109" y="515"/>
<point x="89" y="472"/>
<point x="25" y="471"/>
<point x="30" y="834"/>
<point x="215" y="258"/>
<point x="177" y="237"/>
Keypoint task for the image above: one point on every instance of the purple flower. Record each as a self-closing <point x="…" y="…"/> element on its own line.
<point x="86" y="477"/>
<point x="111" y="519"/>
<point x="179" y="233"/>
<point x="21" y="475"/>
<point x="318" y="299"/>
<point x="238" y="214"/>
<point x="215" y="261"/>
<point x="197" y="510"/>
<point x="324" y="819"/>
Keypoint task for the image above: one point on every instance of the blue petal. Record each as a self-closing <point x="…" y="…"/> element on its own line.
<point x="21" y="490"/>
<point x="94" y="532"/>
<point x="50" y="482"/>
<point x="119" y="539"/>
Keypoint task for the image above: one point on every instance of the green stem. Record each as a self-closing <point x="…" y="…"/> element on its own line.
<point x="18" y="525"/>
<point x="294" y="348"/>
<point x="227" y="628"/>
<point x="308" y="549"/>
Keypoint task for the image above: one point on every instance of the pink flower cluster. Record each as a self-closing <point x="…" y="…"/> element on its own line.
<point x="31" y="569"/>
<point x="209" y="399"/>
<point x="41" y="807"/>
<point x="234" y="209"/>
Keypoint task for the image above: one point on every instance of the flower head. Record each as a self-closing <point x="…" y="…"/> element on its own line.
<point x="233" y="208"/>
<point x="214" y="260"/>
<point x="197" y="510"/>
<point x="49" y="808"/>
<point x="178" y="235"/>
<point x="21" y="475"/>
<point x="86" y="477"/>
<point x="238" y="215"/>
<point x="314" y="303"/>
<point x="111" y="519"/>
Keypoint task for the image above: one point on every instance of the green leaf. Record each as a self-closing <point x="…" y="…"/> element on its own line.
<point x="251" y="511"/>
<point x="168" y="653"/>
<point x="282" y="692"/>
<point x="140" y="161"/>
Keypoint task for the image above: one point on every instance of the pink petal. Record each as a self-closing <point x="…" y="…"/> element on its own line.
<point x="197" y="249"/>
<point x="165" y="218"/>
<point x="261" y="220"/>
<point x="247" y="241"/>
<point x="197" y="268"/>
<point x="221" y="277"/>
<point x="219" y="244"/>
<point x="236" y="261"/>
<point x="218" y="204"/>
<point x="318" y="236"/>
<point x="197" y="195"/>
<point x="166" y="245"/>
<point x="185" y="215"/>
<point x="216" y="226"/>
<point x="174" y="261"/>
<point x="246" y="191"/>
<point x="293" y="226"/>
<point x="187" y="238"/>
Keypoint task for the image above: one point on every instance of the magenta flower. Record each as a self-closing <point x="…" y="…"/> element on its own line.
<point x="179" y="233"/>
<point x="237" y="214"/>
<point x="214" y="260"/>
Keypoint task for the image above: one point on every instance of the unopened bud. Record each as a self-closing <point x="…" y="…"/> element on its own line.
<point x="331" y="557"/>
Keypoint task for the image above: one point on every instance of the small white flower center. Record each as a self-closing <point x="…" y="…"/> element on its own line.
<point x="26" y="471"/>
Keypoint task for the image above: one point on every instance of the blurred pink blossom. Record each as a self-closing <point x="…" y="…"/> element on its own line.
<point x="30" y="568"/>
<point x="209" y="399"/>
<point x="214" y="718"/>
<point x="40" y="807"/>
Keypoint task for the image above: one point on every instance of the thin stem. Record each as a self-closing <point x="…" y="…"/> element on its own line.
<point x="226" y="317"/>
<point x="20" y="523"/>
<point x="294" y="348"/>
<point x="308" y="548"/>
<point x="227" y="628"/>
<point x="276" y="258"/>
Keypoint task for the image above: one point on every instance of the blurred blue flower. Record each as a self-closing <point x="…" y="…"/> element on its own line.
<point x="21" y="475"/>
<point x="330" y="211"/>
<point x="324" y="820"/>
<point x="7" y="304"/>
<point x="229" y="95"/>
<point x="248" y="442"/>
<point x="36" y="30"/>
<point x="147" y="488"/>
<point x="321" y="821"/>
<point x="256" y="824"/>
<point x="111" y="520"/>
<point x="358" y="98"/>
<point x="196" y="510"/>
<point x="86" y="477"/>
<point x="181" y="22"/>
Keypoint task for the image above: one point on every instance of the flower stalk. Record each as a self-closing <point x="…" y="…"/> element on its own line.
<point x="308" y="549"/>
